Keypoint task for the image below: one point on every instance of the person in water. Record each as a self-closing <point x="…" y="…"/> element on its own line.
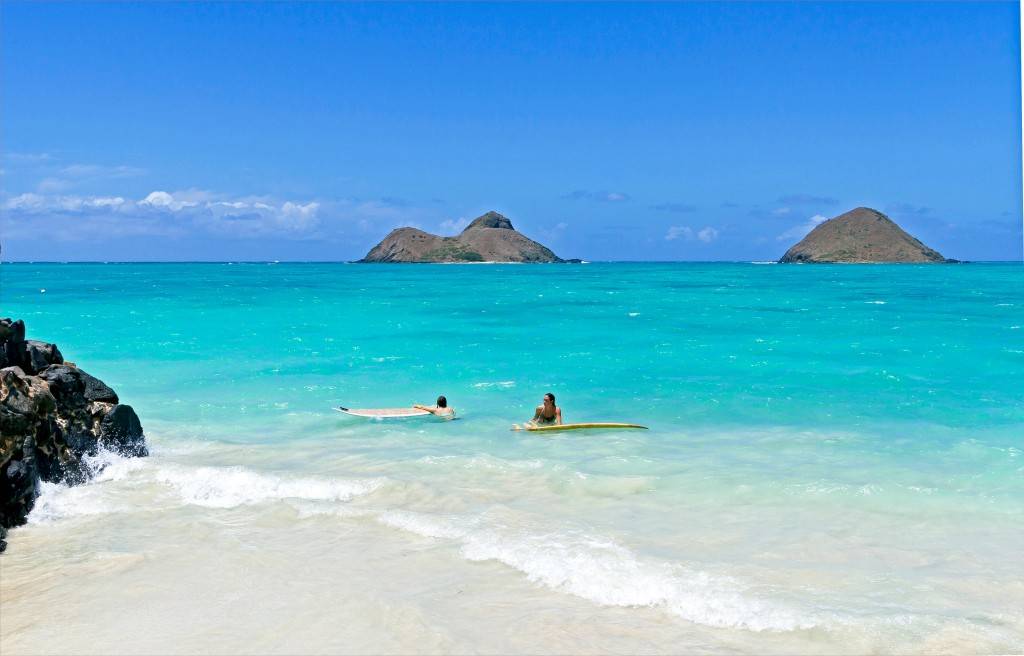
<point x="441" y="409"/>
<point x="547" y="414"/>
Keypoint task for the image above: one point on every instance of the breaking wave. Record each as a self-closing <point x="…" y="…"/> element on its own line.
<point x="211" y="487"/>
<point x="606" y="573"/>
<point x="228" y="487"/>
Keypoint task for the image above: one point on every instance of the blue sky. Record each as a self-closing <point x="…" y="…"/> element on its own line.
<point x="608" y="131"/>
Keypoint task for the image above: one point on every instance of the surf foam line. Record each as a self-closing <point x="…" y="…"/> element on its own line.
<point x="608" y="574"/>
<point x="228" y="487"/>
<point x="57" y="501"/>
<point x="114" y="477"/>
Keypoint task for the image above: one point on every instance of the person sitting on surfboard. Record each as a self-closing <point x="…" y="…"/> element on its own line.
<point x="547" y="414"/>
<point x="440" y="410"/>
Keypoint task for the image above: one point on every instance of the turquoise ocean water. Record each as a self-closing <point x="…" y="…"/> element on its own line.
<point x="834" y="461"/>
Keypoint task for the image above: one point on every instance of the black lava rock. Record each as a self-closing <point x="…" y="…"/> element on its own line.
<point x="52" y="415"/>
<point x="120" y="430"/>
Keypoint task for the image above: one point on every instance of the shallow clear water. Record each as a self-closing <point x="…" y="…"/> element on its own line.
<point x="834" y="463"/>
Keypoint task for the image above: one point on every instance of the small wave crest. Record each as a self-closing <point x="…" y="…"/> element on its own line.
<point x="58" y="501"/>
<point x="211" y="487"/>
<point x="228" y="487"/>
<point x="607" y="573"/>
<point x="498" y="383"/>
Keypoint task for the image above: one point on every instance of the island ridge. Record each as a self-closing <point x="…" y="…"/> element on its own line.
<point x="489" y="238"/>
<point x="862" y="235"/>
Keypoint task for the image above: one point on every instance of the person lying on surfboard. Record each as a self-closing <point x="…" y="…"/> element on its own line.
<point x="441" y="409"/>
<point x="547" y="414"/>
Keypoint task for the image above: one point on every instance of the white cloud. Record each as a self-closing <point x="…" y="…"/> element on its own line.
<point x="79" y="203"/>
<point x="707" y="235"/>
<point x="173" y="202"/>
<point x="36" y="203"/>
<point x="781" y="211"/>
<point x="300" y="210"/>
<point x="158" y="199"/>
<point x="106" y="201"/>
<point x="198" y="212"/>
<point x="31" y="202"/>
<point x="83" y="217"/>
<point x="800" y="231"/>
<point x="675" y="232"/>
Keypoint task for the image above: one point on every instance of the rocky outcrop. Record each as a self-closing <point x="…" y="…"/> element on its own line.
<point x="52" y="416"/>
<point x="861" y="235"/>
<point x="489" y="238"/>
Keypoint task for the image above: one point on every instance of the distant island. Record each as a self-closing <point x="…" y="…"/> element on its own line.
<point x="489" y="238"/>
<point x="862" y="235"/>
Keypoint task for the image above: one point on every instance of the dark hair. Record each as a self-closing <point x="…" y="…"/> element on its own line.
<point x="442" y="402"/>
<point x="551" y="396"/>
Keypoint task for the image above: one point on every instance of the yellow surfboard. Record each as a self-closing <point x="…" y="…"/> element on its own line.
<point x="564" y="427"/>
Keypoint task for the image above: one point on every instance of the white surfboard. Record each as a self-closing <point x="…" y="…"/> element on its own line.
<point x="384" y="413"/>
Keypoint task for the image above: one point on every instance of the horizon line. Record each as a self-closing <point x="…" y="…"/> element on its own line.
<point x="2" y="262"/>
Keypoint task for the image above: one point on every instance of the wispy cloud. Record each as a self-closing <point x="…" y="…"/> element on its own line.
<point x="907" y="208"/>
<point x="394" y="201"/>
<point x="552" y="235"/>
<point x="51" y="184"/>
<point x="68" y="177"/>
<point x="48" y="174"/>
<point x="597" y="196"/>
<point x="28" y="157"/>
<point x="454" y="226"/>
<point x="800" y="231"/>
<point x="807" y="199"/>
<point x="678" y="208"/>
<point x="95" y="171"/>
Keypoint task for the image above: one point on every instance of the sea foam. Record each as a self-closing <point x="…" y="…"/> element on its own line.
<point x="604" y="572"/>
<point x="211" y="487"/>
<point x="59" y="501"/>
<point x="228" y="487"/>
